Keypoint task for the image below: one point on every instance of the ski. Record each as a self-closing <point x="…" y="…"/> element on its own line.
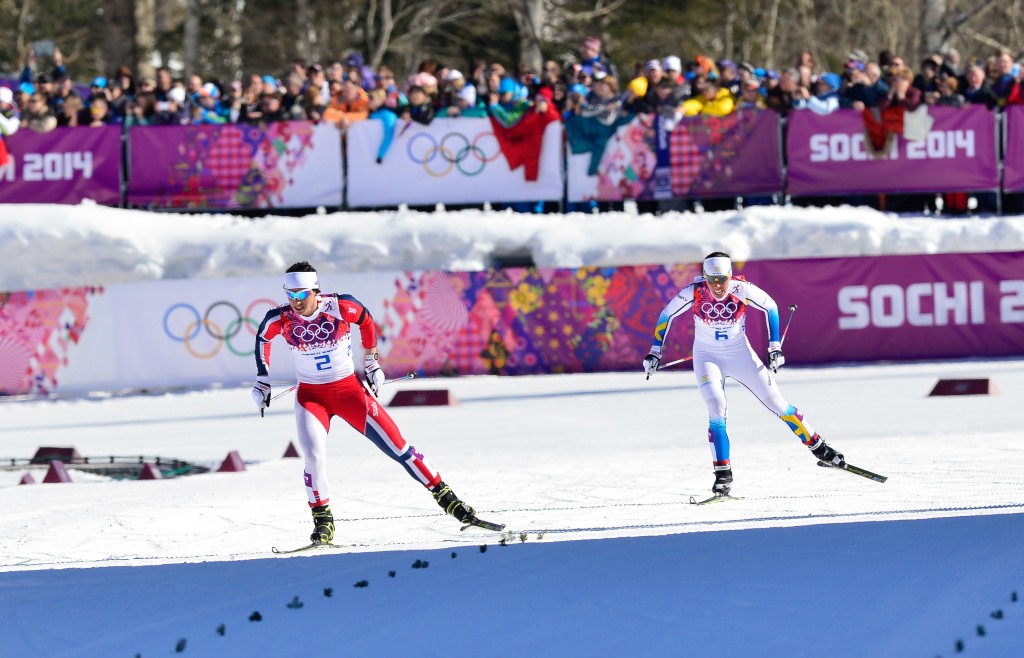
<point x="315" y="546"/>
<point x="486" y="525"/>
<point x="717" y="498"/>
<point x="856" y="470"/>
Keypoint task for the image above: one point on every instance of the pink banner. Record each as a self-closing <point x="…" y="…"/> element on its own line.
<point x="1013" y="156"/>
<point x="827" y="154"/>
<point x="288" y="164"/>
<point x="66" y="165"/>
<point x="518" y="321"/>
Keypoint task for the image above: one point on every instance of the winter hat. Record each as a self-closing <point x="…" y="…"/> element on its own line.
<point x="176" y="95"/>
<point x="6" y="95"/>
<point x="507" y="86"/>
<point x="27" y="88"/>
<point x="355" y="60"/>
<point x="652" y="65"/>
<point x="455" y="74"/>
<point x="211" y="90"/>
<point x="578" y="89"/>
<point x="672" y="63"/>
<point x="99" y="81"/>
<point x="468" y="94"/>
<point x="832" y="80"/>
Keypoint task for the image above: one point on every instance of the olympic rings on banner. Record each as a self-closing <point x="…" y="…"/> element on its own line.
<point x="718" y="310"/>
<point x="221" y="337"/>
<point x="454" y="154"/>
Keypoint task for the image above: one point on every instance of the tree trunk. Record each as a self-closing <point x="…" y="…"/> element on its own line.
<point x="529" y="15"/>
<point x="145" y="38"/>
<point x="303" y="28"/>
<point x="934" y="34"/>
<point x="118" y="35"/>
<point x="773" y="23"/>
<point x="19" y="38"/>
<point x="192" y="38"/>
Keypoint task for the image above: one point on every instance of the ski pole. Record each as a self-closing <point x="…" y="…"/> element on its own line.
<point x="411" y="375"/>
<point x="792" y="310"/>
<point x="676" y="362"/>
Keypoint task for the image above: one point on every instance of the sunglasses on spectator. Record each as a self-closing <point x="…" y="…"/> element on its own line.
<point x="298" y="296"/>
<point x="716" y="278"/>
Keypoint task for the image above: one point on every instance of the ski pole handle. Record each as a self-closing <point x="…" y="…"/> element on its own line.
<point x="673" y="363"/>
<point x="792" y="310"/>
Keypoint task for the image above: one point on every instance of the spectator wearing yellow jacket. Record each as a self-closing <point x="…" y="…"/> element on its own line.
<point x="712" y="99"/>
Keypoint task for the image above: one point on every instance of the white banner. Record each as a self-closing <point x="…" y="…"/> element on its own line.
<point x="450" y="161"/>
<point x="165" y="334"/>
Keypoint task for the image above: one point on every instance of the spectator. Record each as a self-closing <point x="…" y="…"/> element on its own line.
<point x="207" y="109"/>
<point x="37" y="116"/>
<point x="421" y="109"/>
<point x="642" y="92"/>
<point x="172" y="111"/>
<point x="355" y="62"/>
<point x="291" y="101"/>
<point x="551" y="74"/>
<point x="826" y="94"/>
<point x="64" y="91"/>
<point x="805" y="58"/>
<point x="927" y="77"/>
<point x="124" y="80"/>
<point x="504" y="104"/>
<point x="465" y="104"/>
<point x="902" y="92"/>
<point x="316" y="78"/>
<point x="98" y="112"/>
<point x="453" y="82"/>
<point x="21" y="95"/>
<point x="9" y="119"/>
<point x="394" y="100"/>
<point x="729" y="78"/>
<point x="140" y="112"/>
<point x="250" y="108"/>
<point x="978" y="92"/>
<point x="193" y="85"/>
<point x="855" y="92"/>
<point x="70" y="111"/>
<point x="164" y="84"/>
<point x="269" y="85"/>
<point x="350" y="105"/>
<point x="388" y="119"/>
<point x="713" y="100"/>
<point x="1006" y="78"/>
<point x="313" y="103"/>
<point x="750" y="97"/>
<point x="270" y="108"/>
<point x="591" y="59"/>
<point x="947" y="95"/>
<point x="783" y="97"/>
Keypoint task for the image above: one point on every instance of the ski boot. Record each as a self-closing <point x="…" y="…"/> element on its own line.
<point x="323" y="520"/>
<point x="451" y="504"/>
<point x="723" y="482"/>
<point x="826" y="454"/>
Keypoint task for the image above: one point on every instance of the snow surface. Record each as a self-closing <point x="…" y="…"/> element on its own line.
<point x="592" y="473"/>
<point x="47" y="246"/>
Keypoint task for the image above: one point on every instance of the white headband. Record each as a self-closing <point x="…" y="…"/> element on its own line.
<point x="718" y="266"/>
<point x="301" y="281"/>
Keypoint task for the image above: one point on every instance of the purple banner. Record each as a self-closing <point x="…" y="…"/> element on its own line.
<point x="896" y="307"/>
<point x="287" y="164"/>
<point x="827" y="154"/>
<point x="66" y="165"/>
<point x="699" y="157"/>
<point x="1013" y="155"/>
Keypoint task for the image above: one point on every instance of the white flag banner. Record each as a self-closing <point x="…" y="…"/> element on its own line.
<point x="451" y="161"/>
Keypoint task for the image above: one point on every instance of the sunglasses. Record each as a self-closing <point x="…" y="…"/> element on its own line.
<point x="720" y="278"/>
<point x="298" y="296"/>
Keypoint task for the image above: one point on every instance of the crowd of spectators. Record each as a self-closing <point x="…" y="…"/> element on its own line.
<point x="343" y="92"/>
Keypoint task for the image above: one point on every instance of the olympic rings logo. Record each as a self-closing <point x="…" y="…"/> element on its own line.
<point x="307" y="333"/>
<point x="183" y="324"/>
<point x="453" y="149"/>
<point x="718" y="310"/>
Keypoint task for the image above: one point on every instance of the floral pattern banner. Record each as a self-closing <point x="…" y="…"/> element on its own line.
<point x="529" y="321"/>
<point x="37" y="331"/>
<point x="289" y="164"/>
<point x="650" y="158"/>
